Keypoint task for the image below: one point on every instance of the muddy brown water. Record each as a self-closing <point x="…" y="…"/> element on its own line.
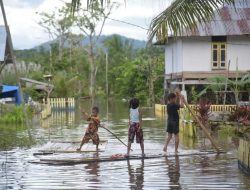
<point x="210" y="171"/>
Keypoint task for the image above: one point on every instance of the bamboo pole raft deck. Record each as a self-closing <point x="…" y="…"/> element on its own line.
<point x="113" y="158"/>
<point x="57" y="147"/>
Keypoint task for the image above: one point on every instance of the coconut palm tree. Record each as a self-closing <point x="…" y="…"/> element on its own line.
<point x="181" y="14"/>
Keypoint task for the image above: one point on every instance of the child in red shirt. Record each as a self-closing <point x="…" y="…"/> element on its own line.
<point x="92" y="130"/>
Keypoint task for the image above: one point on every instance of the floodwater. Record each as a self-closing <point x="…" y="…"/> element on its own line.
<point x="177" y="172"/>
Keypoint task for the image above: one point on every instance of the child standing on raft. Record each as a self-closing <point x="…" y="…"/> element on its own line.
<point x="135" y="125"/>
<point x="92" y="130"/>
<point x="174" y="104"/>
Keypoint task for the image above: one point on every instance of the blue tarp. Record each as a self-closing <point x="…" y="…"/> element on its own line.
<point x="11" y="92"/>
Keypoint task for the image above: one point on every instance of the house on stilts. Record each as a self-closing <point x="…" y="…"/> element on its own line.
<point x="205" y="51"/>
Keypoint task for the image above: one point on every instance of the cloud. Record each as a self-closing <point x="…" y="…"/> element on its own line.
<point x="23" y="26"/>
<point x="22" y="3"/>
<point x="23" y="21"/>
<point x="26" y="33"/>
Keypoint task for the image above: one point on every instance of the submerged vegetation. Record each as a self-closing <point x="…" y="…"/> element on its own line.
<point x="16" y="135"/>
<point x="15" y="114"/>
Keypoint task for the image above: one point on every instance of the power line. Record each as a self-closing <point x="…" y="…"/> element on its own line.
<point x="141" y="27"/>
<point x="124" y="22"/>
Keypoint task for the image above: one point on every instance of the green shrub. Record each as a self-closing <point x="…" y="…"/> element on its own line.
<point x="15" y="114"/>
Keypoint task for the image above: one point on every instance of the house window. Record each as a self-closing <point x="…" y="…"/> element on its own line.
<point x="219" y="52"/>
<point x="219" y="55"/>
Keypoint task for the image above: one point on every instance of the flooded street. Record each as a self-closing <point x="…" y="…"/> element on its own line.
<point x="209" y="171"/>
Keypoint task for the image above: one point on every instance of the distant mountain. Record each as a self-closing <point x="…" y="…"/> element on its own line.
<point x="138" y="44"/>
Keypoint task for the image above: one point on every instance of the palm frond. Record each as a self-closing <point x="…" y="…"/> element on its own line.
<point x="74" y="5"/>
<point x="183" y="14"/>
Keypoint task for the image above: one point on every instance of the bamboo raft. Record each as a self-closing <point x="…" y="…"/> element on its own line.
<point x="113" y="158"/>
<point x="48" y="152"/>
<point x="73" y="142"/>
<point x="70" y="147"/>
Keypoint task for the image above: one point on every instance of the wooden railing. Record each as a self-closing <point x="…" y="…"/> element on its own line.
<point x="218" y="108"/>
<point x="161" y="109"/>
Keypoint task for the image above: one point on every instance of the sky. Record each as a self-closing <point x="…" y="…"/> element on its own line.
<point x="26" y="33"/>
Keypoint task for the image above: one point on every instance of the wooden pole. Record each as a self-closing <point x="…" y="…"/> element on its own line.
<point x="9" y="41"/>
<point x="114" y="136"/>
<point x="202" y="126"/>
<point x="225" y="92"/>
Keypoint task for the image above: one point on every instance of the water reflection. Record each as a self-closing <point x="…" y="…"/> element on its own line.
<point x="60" y="118"/>
<point x="185" y="139"/>
<point x="136" y="175"/>
<point x="174" y="172"/>
<point x="12" y="136"/>
<point x="197" y="172"/>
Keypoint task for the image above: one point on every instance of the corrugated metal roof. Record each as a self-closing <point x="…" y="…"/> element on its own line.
<point x="3" y="40"/>
<point x="227" y="21"/>
<point x="37" y="82"/>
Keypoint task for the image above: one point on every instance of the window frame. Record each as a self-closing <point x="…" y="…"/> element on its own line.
<point x="219" y="50"/>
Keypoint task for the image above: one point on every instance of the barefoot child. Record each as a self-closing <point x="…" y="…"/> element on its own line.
<point x="173" y="120"/>
<point x="91" y="131"/>
<point x="135" y="125"/>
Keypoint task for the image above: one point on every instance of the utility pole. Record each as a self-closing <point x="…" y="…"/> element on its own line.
<point x="9" y="41"/>
<point x="107" y="85"/>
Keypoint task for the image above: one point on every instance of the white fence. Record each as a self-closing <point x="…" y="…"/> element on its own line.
<point x="57" y="103"/>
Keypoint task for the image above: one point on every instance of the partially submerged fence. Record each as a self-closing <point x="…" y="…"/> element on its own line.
<point x="244" y="155"/>
<point x="59" y="118"/>
<point x="46" y="110"/>
<point x="58" y="104"/>
<point x="218" y="108"/>
<point x="161" y="109"/>
<point x="61" y="102"/>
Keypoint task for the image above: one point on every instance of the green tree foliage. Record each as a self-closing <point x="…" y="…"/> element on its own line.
<point x="88" y="21"/>
<point x="119" y="52"/>
<point x="65" y="85"/>
<point x="131" y="72"/>
<point x="152" y="67"/>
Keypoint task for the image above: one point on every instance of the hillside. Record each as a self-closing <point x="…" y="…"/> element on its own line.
<point x="138" y="44"/>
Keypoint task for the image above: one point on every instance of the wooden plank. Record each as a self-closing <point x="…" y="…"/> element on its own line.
<point x="202" y="126"/>
<point x="67" y="151"/>
<point x="202" y="75"/>
<point x="56" y="147"/>
<point x="73" y="142"/>
<point x="51" y="161"/>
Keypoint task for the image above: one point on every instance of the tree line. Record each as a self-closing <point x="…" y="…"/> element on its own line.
<point x="84" y="70"/>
